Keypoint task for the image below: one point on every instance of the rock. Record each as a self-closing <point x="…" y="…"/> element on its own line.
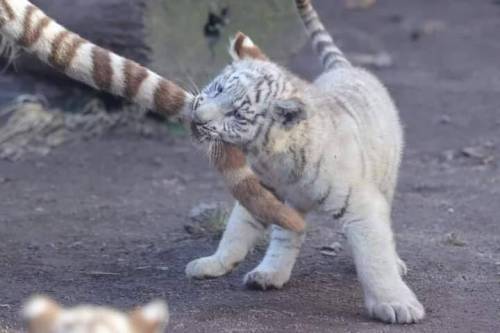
<point x="479" y="153"/>
<point x="489" y="144"/>
<point x="395" y="18"/>
<point x="444" y="119"/>
<point x="29" y="126"/>
<point x="376" y="60"/>
<point x="331" y="250"/>
<point x="359" y="4"/>
<point x="428" y="28"/>
<point x="5" y="180"/>
<point x="204" y="211"/>
<point x="473" y="152"/>
<point x="207" y="219"/>
<point x="431" y="27"/>
<point x="453" y="239"/>
<point x="448" y="155"/>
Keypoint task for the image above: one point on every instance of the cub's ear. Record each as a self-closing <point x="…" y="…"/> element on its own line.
<point x="289" y="112"/>
<point x="40" y="313"/>
<point x="151" y="318"/>
<point x="242" y="47"/>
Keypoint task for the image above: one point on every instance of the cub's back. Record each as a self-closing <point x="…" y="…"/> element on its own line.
<point x="366" y="100"/>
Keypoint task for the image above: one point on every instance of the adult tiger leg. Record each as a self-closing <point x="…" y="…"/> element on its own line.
<point x="368" y="230"/>
<point x="241" y="234"/>
<point x="276" y="267"/>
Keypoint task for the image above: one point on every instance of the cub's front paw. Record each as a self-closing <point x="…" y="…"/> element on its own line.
<point x="400" y="306"/>
<point x="264" y="280"/>
<point x="206" y="268"/>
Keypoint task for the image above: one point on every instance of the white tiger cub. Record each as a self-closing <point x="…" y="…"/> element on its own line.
<point x="44" y="315"/>
<point x="334" y="145"/>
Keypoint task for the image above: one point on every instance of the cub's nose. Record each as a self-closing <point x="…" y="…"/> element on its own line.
<point x="199" y="118"/>
<point x="204" y="111"/>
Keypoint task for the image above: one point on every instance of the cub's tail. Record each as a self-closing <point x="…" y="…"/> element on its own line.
<point x="23" y="24"/>
<point x="330" y="55"/>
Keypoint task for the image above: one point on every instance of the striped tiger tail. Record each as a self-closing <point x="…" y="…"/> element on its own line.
<point x="27" y="26"/>
<point x="330" y="54"/>
<point x="24" y="24"/>
<point x="246" y="186"/>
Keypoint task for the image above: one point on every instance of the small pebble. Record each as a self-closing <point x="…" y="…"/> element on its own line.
<point x="448" y="155"/>
<point x="445" y="119"/>
<point x="332" y="250"/>
<point x="359" y="4"/>
<point x="453" y="239"/>
<point x="5" y="180"/>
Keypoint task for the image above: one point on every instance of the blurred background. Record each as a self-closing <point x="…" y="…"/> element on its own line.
<point x="105" y="203"/>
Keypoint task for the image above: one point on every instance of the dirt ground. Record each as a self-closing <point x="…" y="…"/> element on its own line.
<point x="103" y="221"/>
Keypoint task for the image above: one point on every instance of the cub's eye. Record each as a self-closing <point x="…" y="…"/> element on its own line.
<point x="237" y="115"/>
<point x="219" y="89"/>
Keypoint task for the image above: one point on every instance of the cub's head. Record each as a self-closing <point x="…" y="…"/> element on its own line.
<point x="43" y="315"/>
<point x="248" y="97"/>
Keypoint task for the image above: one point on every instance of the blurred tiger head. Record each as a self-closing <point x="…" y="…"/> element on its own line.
<point x="44" y="315"/>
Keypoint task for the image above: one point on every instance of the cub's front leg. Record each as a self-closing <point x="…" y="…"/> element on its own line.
<point x="241" y="234"/>
<point x="276" y="268"/>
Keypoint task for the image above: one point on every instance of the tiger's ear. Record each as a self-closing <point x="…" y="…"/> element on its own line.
<point x="242" y="47"/>
<point x="40" y="313"/>
<point x="289" y="112"/>
<point x="151" y="318"/>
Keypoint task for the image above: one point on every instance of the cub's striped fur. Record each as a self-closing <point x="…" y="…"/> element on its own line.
<point x="332" y="145"/>
<point x="22" y="23"/>
<point x="44" y="315"/>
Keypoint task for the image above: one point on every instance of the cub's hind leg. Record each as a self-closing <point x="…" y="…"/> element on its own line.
<point x="276" y="267"/>
<point x="240" y="236"/>
<point x="368" y="229"/>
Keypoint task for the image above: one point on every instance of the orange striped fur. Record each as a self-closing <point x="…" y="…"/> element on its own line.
<point x="26" y="25"/>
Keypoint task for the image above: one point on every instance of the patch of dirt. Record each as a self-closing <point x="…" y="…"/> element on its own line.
<point x="29" y="126"/>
